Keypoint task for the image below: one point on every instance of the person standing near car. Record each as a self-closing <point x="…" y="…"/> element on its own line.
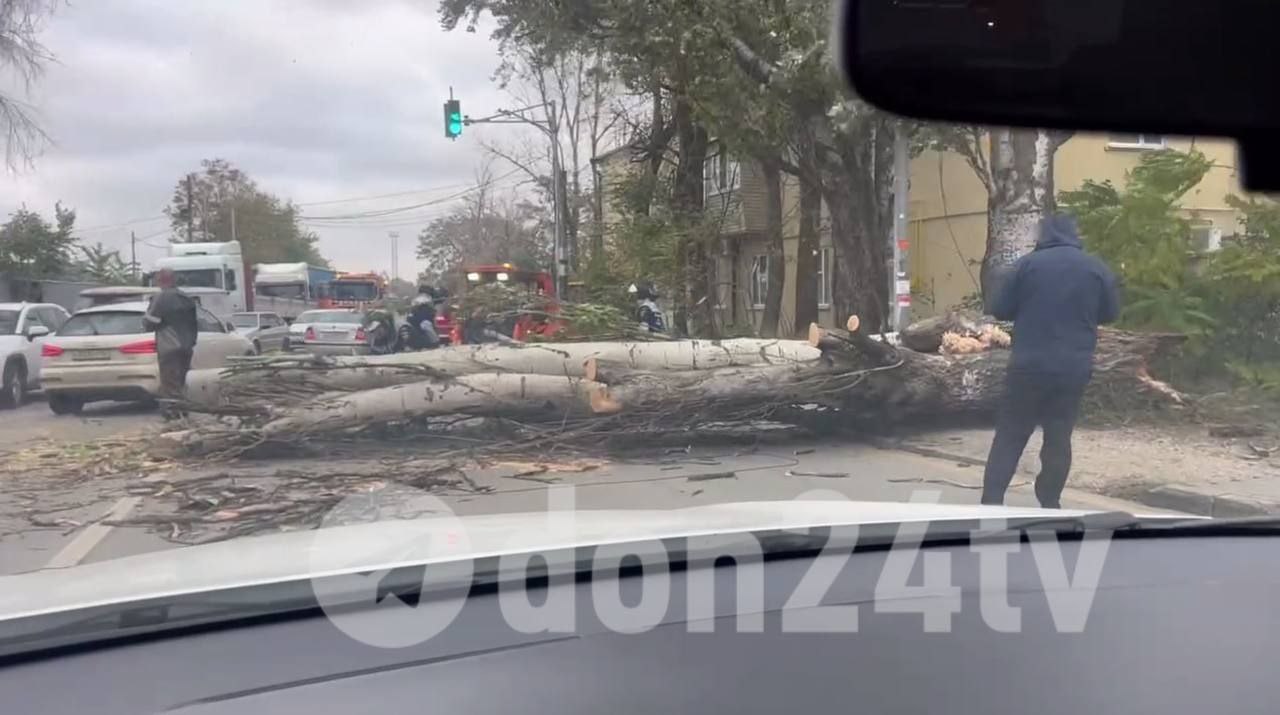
<point x="172" y="314"/>
<point x="1056" y="297"/>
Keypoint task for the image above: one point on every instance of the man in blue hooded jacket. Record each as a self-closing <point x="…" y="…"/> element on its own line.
<point x="1056" y="297"/>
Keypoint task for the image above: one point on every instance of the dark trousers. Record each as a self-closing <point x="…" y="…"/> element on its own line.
<point x="1051" y="402"/>
<point x="174" y="365"/>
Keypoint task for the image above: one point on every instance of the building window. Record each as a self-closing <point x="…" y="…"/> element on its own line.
<point x="720" y="173"/>
<point x="1136" y="141"/>
<point x="758" y="286"/>
<point x="824" y="278"/>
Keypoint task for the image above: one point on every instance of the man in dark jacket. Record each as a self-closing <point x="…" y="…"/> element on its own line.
<point x="1056" y="296"/>
<point x="172" y="314"/>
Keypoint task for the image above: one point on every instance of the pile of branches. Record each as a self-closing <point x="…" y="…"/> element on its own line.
<point x="585" y="392"/>
<point x="500" y="305"/>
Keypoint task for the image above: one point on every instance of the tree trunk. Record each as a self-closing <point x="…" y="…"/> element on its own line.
<point x="696" y="300"/>
<point x="1021" y="194"/>
<point x="774" y="248"/>
<point x="859" y="195"/>
<point x="295" y="380"/>
<point x="807" y="255"/>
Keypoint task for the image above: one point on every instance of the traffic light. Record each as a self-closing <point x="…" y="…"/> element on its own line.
<point x="453" y="119"/>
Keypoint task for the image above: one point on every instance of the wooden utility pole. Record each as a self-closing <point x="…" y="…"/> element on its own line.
<point x="133" y="254"/>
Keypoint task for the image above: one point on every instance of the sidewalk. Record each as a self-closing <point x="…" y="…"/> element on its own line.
<point x="1177" y="467"/>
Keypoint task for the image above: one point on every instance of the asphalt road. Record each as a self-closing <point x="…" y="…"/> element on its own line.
<point x="34" y="422"/>
<point x="780" y="472"/>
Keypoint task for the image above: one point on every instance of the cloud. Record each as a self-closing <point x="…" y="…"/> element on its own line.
<point x="316" y="100"/>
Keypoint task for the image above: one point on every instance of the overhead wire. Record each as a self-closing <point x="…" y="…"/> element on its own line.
<point x="467" y="187"/>
<point x="387" y="212"/>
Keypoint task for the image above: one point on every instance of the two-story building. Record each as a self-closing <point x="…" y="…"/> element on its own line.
<point x="948" y="205"/>
<point x="947" y="220"/>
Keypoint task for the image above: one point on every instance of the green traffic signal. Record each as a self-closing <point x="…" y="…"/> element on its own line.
<point x="452" y="119"/>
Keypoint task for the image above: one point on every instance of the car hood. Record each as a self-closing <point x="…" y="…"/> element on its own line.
<point x="259" y="560"/>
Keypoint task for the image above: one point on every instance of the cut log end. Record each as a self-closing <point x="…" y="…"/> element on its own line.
<point x="591" y="369"/>
<point x="602" y="403"/>
<point x="816" y="334"/>
<point x="852" y="324"/>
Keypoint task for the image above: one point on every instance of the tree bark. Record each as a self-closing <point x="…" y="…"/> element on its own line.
<point x="281" y="382"/>
<point x="695" y="302"/>
<point x="775" y="248"/>
<point x="1021" y="194"/>
<point x="807" y="255"/>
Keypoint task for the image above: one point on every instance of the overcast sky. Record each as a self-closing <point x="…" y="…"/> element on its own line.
<point x="318" y="100"/>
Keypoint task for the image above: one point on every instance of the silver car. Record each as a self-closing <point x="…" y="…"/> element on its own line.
<point x="267" y="331"/>
<point x="334" y="332"/>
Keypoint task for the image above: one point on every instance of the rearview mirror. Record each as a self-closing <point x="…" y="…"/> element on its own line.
<point x="37" y="331"/>
<point x="1108" y="65"/>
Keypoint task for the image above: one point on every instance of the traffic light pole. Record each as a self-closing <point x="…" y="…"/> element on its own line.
<point x="560" y="260"/>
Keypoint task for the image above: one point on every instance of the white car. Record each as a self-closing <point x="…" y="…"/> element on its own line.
<point x="267" y="331"/>
<point x="108" y="353"/>
<point x="23" y="327"/>
<point x="333" y="332"/>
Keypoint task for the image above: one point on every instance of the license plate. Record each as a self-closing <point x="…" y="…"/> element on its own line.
<point x="91" y="355"/>
<point x="335" y="334"/>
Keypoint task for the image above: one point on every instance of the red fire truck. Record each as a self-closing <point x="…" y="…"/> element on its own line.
<point x="535" y="283"/>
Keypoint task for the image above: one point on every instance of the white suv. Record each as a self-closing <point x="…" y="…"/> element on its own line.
<point x="23" y="327"/>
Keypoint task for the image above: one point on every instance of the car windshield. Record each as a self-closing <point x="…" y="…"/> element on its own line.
<point x="342" y="290"/>
<point x="103" y="323"/>
<point x="623" y="256"/>
<point x="8" y="322"/>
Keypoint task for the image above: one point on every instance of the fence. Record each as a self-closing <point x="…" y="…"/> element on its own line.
<point x="64" y="293"/>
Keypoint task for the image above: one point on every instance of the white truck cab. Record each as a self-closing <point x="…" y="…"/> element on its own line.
<point x="217" y="266"/>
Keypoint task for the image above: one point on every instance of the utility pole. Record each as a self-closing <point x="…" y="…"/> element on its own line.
<point x="133" y="254"/>
<point x="191" y="206"/>
<point x="233" y="223"/>
<point x="899" y="280"/>
<point x="561" y="268"/>
<point x="395" y="254"/>
<point x="559" y="199"/>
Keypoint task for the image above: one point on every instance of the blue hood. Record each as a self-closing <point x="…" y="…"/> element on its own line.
<point x="1058" y="230"/>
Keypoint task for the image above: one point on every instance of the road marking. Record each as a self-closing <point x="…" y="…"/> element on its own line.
<point x="84" y="542"/>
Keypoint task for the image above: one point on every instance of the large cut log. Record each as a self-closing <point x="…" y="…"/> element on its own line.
<point x="925" y="335"/>
<point x="289" y="380"/>
<point x="481" y="394"/>
<point x="926" y="386"/>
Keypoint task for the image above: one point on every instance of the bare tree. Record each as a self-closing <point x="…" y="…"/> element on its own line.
<point x="577" y="82"/>
<point x="22" y="52"/>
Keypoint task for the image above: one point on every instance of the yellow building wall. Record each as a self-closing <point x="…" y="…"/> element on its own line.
<point x="948" y="208"/>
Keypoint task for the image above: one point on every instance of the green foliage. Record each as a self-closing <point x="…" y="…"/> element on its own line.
<point x="1228" y="300"/>
<point x="266" y="226"/>
<point x="1141" y="235"/>
<point x="31" y="247"/>
<point x="103" y="266"/>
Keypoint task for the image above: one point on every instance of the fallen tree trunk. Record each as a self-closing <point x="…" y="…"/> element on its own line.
<point x="850" y="379"/>
<point x="295" y="379"/>
<point x="484" y="394"/>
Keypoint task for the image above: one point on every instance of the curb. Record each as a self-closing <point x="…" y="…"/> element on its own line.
<point x="1161" y="496"/>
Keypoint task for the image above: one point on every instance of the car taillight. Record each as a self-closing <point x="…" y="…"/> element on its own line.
<point x="360" y="335"/>
<point x="442" y="320"/>
<point x="310" y="334"/>
<point x="50" y="350"/>
<point x="142" y="347"/>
